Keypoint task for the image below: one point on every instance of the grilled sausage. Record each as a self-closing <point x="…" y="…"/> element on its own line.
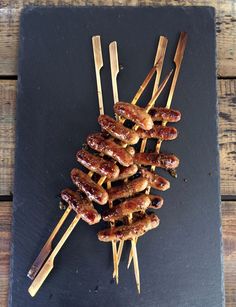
<point x="135" y="114"/>
<point x="81" y="205"/>
<point x="117" y="130"/>
<point x="128" y="189"/>
<point x="108" y="147"/>
<point x="162" y="160"/>
<point x="130" y="150"/>
<point x="126" y="172"/>
<point x="158" y="132"/>
<point x="156" y="201"/>
<point x="98" y="164"/>
<point x="169" y="115"/>
<point x="85" y="184"/>
<point x="154" y="180"/>
<point x="129" y="206"/>
<point x="129" y="232"/>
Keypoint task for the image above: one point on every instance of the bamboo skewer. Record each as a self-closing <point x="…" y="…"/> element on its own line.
<point x="114" y="65"/>
<point x="178" y="61"/>
<point x="160" y="54"/>
<point x="45" y="270"/>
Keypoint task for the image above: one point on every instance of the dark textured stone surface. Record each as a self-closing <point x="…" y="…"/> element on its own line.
<point x="180" y="262"/>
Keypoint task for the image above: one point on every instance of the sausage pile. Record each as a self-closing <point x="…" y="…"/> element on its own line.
<point x="111" y="154"/>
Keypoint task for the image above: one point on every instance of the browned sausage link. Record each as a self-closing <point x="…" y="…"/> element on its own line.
<point x="81" y="205"/>
<point x="156" y="201"/>
<point x="98" y="164"/>
<point x="128" y="232"/>
<point x="128" y="189"/>
<point x="117" y="130"/>
<point x="130" y="150"/>
<point x="85" y="184"/>
<point x="108" y="147"/>
<point x="155" y="181"/>
<point x="126" y="172"/>
<point x="135" y="114"/>
<point x="162" y="160"/>
<point x="129" y="206"/>
<point x="158" y="132"/>
<point x="169" y="115"/>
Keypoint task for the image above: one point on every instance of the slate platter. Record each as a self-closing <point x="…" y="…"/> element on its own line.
<point x="181" y="261"/>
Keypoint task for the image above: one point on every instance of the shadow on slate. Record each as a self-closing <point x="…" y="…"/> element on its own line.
<point x="180" y="262"/>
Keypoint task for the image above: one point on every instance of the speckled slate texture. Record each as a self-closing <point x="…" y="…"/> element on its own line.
<point x="180" y="262"/>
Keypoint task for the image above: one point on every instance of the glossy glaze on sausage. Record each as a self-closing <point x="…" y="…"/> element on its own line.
<point x="129" y="232"/>
<point x="81" y="205"/>
<point x="169" y="115"/>
<point x="98" y="165"/>
<point x="167" y="161"/>
<point x="118" y="130"/>
<point x="126" y="172"/>
<point x="135" y="114"/>
<point x="154" y="180"/>
<point x="139" y="203"/>
<point x="85" y="184"/>
<point x="156" y="201"/>
<point x="128" y="189"/>
<point x="158" y="132"/>
<point x="99" y="142"/>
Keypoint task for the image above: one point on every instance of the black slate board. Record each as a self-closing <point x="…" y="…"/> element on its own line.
<point x="180" y="262"/>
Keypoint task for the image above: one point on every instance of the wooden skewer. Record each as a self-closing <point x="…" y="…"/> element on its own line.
<point x="48" y="266"/>
<point x="97" y="52"/>
<point x="178" y="61"/>
<point x="114" y="65"/>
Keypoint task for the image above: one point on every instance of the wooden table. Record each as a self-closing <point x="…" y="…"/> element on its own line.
<point x="226" y="71"/>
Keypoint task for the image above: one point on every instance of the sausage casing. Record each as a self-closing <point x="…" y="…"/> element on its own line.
<point x="129" y="232"/>
<point x="98" y="164"/>
<point x="81" y="205"/>
<point x="126" y="172"/>
<point x="169" y="115"/>
<point x="117" y="130"/>
<point x="128" y="189"/>
<point x="108" y="147"/>
<point x="167" y="161"/>
<point x="85" y="184"/>
<point x="154" y="180"/>
<point x="158" y="132"/>
<point x="139" y="203"/>
<point x="135" y="114"/>
<point x="156" y="201"/>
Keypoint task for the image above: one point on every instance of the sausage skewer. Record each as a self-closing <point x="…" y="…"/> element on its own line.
<point x="178" y="61"/>
<point x="160" y="54"/>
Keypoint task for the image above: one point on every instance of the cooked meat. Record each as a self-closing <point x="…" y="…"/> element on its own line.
<point x="128" y="189"/>
<point x="162" y="160"/>
<point x="126" y="172"/>
<point x="130" y="150"/>
<point x="85" y="184"/>
<point x="108" y="147"/>
<point x="158" y="132"/>
<point x="98" y="164"/>
<point x="81" y="205"/>
<point x="118" y="130"/>
<point x="154" y="180"/>
<point x="169" y="115"/>
<point x="129" y="206"/>
<point x="129" y="232"/>
<point x="156" y="201"/>
<point x="135" y="114"/>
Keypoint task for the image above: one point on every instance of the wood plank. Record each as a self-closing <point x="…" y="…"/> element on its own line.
<point x="225" y="23"/>
<point x="227" y="132"/>
<point x="229" y="239"/>
<point x="5" y="239"/>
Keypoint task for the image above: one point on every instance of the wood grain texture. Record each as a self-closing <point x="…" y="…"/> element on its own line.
<point x="5" y="239"/>
<point x="227" y="132"/>
<point x="229" y="239"/>
<point x="225" y="23"/>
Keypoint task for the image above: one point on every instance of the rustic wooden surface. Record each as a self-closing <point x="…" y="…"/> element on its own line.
<point x="226" y="70"/>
